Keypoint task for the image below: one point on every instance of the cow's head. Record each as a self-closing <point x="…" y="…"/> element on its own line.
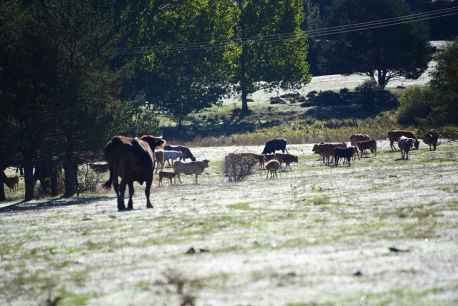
<point x="153" y="141"/>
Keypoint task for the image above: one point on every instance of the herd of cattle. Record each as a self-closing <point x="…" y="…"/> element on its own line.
<point x="136" y="159"/>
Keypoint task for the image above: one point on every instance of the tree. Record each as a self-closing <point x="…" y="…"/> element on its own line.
<point x="84" y="37"/>
<point x="27" y="78"/>
<point x="444" y="84"/>
<point x="382" y="54"/>
<point x="265" y="59"/>
<point x="180" y="75"/>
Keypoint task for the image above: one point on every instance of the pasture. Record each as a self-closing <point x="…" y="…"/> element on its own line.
<point x="381" y="232"/>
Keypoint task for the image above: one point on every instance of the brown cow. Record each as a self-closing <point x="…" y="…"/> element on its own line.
<point x="394" y="136"/>
<point x="132" y="159"/>
<point x="358" y="137"/>
<point x="327" y="150"/>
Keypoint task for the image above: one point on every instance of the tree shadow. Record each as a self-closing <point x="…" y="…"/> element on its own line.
<point x="53" y="203"/>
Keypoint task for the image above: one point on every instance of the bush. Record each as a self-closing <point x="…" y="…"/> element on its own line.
<point x="326" y="98"/>
<point x="415" y="106"/>
<point x="372" y="96"/>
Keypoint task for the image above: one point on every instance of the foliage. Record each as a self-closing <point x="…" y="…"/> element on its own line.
<point x="179" y="79"/>
<point x="445" y="86"/>
<point x="268" y="63"/>
<point x="415" y="105"/>
<point x="384" y="53"/>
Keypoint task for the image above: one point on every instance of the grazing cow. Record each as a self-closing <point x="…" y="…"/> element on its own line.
<point x="430" y="139"/>
<point x="195" y="167"/>
<point x="258" y="157"/>
<point x="185" y="150"/>
<point x="171" y="156"/>
<point x="367" y="145"/>
<point x="346" y="153"/>
<point x="166" y="174"/>
<point x="326" y="150"/>
<point x="11" y="182"/>
<point x="131" y="159"/>
<point x="272" y="166"/>
<point x="358" y="137"/>
<point x="278" y="144"/>
<point x="394" y="136"/>
<point x="405" y="144"/>
<point x="286" y="159"/>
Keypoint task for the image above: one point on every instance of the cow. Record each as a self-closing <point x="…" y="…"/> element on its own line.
<point x="358" y="137"/>
<point x="286" y="159"/>
<point x="132" y="160"/>
<point x="195" y="167"/>
<point x="431" y="139"/>
<point x="346" y="153"/>
<point x="277" y="144"/>
<point x="185" y="150"/>
<point x="367" y="145"/>
<point x="405" y="145"/>
<point x="394" y="136"/>
<point x="327" y="150"/>
<point x="272" y="166"/>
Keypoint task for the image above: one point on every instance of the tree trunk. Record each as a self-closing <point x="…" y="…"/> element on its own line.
<point x="54" y="178"/>
<point x="71" y="175"/>
<point x="244" y="100"/>
<point x="28" y="178"/>
<point x="2" y="187"/>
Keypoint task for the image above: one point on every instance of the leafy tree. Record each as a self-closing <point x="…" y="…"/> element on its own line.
<point x="268" y="63"/>
<point x="383" y="54"/>
<point x="84" y="37"/>
<point x="445" y="86"/>
<point x="181" y="76"/>
<point x="27" y="78"/>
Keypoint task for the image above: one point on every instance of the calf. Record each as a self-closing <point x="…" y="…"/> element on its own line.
<point x="346" y="153"/>
<point x="395" y="135"/>
<point x="167" y="174"/>
<point x="195" y="167"/>
<point x="272" y="166"/>
<point x="405" y="145"/>
<point x="286" y="159"/>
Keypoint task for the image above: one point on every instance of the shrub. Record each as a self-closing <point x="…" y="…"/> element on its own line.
<point x="326" y="98"/>
<point x="415" y="105"/>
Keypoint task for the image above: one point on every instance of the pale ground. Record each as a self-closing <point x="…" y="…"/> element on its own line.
<point x="295" y="240"/>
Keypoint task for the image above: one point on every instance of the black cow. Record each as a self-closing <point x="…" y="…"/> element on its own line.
<point x="346" y="153"/>
<point x="277" y="144"/>
<point x="185" y="150"/>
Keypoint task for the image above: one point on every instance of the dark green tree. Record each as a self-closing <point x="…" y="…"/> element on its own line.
<point x="382" y="54"/>
<point x="445" y="86"/>
<point x="181" y="76"/>
<point x="267" y="57"/>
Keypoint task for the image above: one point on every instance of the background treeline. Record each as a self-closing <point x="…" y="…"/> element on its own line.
<point x="74" y="73"/>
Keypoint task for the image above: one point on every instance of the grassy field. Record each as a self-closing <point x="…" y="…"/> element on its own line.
<point x="317" y="235"/>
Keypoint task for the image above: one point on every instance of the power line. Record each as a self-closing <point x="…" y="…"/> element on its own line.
<point x="321" y="32"/>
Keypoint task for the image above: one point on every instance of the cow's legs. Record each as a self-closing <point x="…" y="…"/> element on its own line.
<point x="147" y="193"/>
<point x="130" y="205"/>
<point x="121" y="192"/>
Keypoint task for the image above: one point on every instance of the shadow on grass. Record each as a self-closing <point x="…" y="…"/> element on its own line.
<point x="53" y="203"/>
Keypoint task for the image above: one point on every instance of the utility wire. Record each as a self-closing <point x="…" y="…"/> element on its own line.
<point x="316" y="33"/>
